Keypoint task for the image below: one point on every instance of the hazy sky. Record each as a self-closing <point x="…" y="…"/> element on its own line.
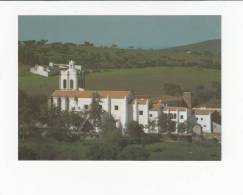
<point x="125" y="31"/>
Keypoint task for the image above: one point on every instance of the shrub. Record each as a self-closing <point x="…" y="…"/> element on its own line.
<point x="102" y="151"/>
<point x="26" y="153"/>
<point x="150" y="138"/>
<point x="134" y="130"/>
<point x="134" y="152"/>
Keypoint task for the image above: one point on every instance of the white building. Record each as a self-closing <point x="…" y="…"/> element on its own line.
<point x="123" y="105"/>
<point x="177" y="114"/>
<point x="40" y="70"/>
<point x="202" y="116"/>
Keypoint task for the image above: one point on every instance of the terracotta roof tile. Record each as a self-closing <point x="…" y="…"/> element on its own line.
<point x="167" y="99"/>
<point x="171" y="108"/>
<point x="140" y="101"/>
<point x="202" y="111"/>
<point x="174" y="108"/>
<point x="89" y="93"/>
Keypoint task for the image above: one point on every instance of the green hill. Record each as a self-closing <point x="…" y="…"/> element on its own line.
<point x="210" y="46"/>
<point x="205" y="54"/>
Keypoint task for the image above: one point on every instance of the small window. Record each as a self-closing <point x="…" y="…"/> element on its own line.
<point x="64" y="83"/>
<point x="116" y="107"/>
<point x="150" y="115"/>
<point x="201" y="119"/>
<point x="140" y="112"/>
<point x="196" y="118"/>
<point x="86" y="107"/>
<point x="182" y="117"/>
<point x="71" y="83"/>
<point x="174" y="116"/>
<point x="205" y="125"/>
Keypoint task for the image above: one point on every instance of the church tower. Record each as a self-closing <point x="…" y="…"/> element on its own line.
<point x="69" y="78"/>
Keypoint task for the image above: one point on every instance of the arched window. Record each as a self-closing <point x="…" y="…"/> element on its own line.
<point x="64" y="83"/>
<point x="71" y="83"/>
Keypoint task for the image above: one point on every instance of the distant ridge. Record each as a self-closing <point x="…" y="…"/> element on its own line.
<point x="213" y="46"/>
<point x="206" y="54"/>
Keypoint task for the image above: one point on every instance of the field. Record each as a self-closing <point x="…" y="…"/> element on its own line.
<point x="143" y="81"/>
<point x="157" y="151"/>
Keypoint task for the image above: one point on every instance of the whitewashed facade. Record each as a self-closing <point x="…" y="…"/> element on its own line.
<point x="123" y="105"/>
<point x="40" y="70"/>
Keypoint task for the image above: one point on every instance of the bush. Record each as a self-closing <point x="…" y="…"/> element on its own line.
<point x="150" y="138"/>
<point x="58" y="134"/>
<point x="26" y="153"/>
<point x="134" y="130"/>
<point x="134" y="152"/>
<point x="102" y="151"/>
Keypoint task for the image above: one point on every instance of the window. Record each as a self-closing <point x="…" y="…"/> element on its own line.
<point x="116" y="107"/>
<point x="196" y="118"/>
<point x="182" y="117"/>
<point x="174" y="116"/>
<point x="170" y="116"/>
<point x="64" y="83"/>
<point x="201" y="119"/>
<point x="205" y="125"/>
<point x="140" y="112"/>
<point x="86" y="107"/>
<point x="71" y="84"/>
<point x="150" y="115"/>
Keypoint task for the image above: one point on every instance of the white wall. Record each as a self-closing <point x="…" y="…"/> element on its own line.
<point x="154" y="116"/>
<point x="70" y="74"/>
<point x="40" y="70"/>
<point x="204" y="121"/>
<point x="179" y="114"/>
<point x="120" y="115"/>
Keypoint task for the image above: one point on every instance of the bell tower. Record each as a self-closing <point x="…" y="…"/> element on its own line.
<point x="69" y="78"/>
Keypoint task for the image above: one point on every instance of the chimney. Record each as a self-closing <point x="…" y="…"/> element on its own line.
<point x="187" y="96"/>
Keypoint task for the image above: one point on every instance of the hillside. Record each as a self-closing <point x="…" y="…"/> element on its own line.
<point x="205" y="55"/>
<point x="143" y="81"/>
<point x="210" y="46"/>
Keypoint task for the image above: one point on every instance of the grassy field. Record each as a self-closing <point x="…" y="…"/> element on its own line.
<point x="143" y="81"/>
<point x="157" y="151"/>
<point x="184" y="151"/>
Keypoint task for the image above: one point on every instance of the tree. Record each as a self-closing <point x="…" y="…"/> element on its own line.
<point x="166" y="124"/>
<point x="114" y="46"/>
<point x="162" y="122"/>
<point x="134" y="130"/>
<point x="95" y="110"/>
<point x="89" y="44"/>
<point x="216" y="117"/>
<point x="107" y="122"/>
<point x="152" y="125"/>
<point x="181" y="127"/>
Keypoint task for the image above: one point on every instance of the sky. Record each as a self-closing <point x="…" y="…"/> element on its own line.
<point x="124" y="31"/>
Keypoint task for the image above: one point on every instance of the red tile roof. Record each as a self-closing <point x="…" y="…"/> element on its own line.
<point x="140" y="101"/>
<point x="200" y="111"/>
<point x="89" y="93"/>
<point x="170" y="108"/>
